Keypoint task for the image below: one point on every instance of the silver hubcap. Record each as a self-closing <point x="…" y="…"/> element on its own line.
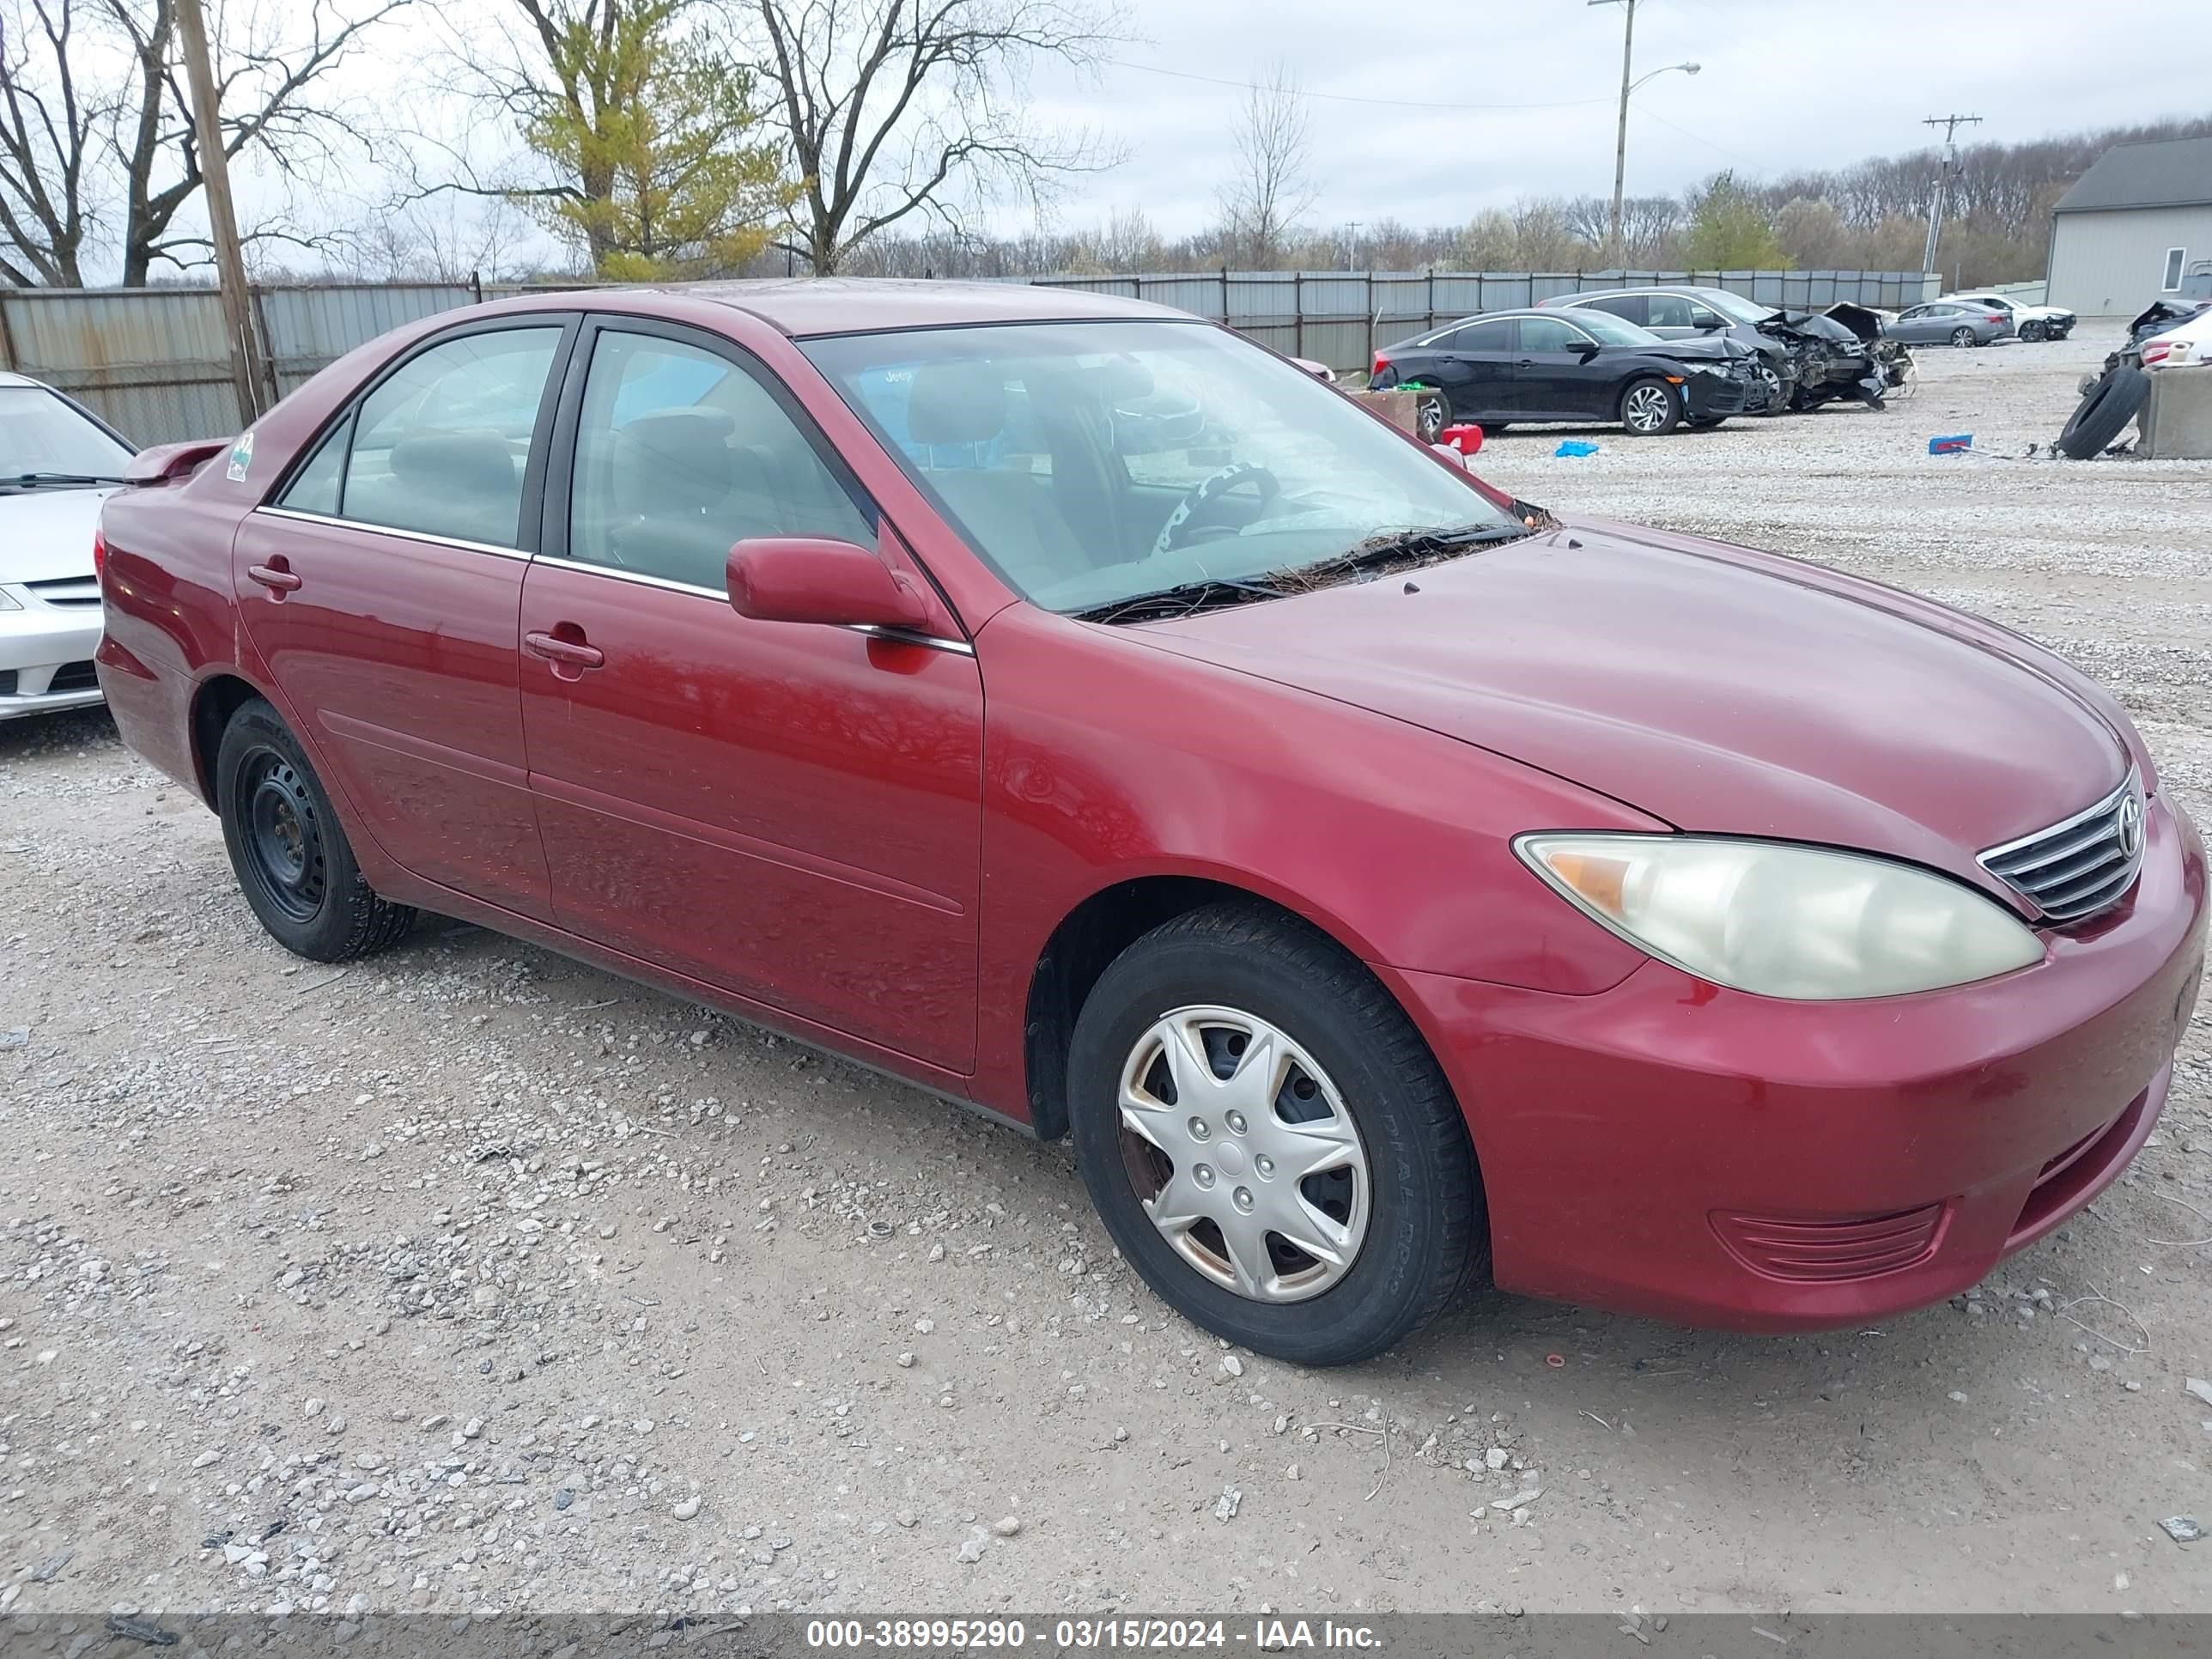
<point x="1647" y="409"/>
<point x="1243" y="1155"/>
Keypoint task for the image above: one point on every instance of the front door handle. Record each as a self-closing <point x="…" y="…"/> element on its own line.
<point x="277" y="577"/>
<point x="569" y="654"/>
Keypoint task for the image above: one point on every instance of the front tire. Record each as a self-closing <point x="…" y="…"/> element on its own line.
<point x="1650" y="408"/>
<point x="1268" y="1139"/>
<point x="290" y="852"/>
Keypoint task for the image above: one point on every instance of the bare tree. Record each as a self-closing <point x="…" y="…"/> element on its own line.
<point x="49" y="144"/>
<point x="893" y="108"/>
<point x="1271" y="190"/>
<point x="267" y="63"/>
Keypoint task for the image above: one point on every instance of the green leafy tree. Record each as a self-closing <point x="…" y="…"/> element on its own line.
<point x="648" y="123"/>
<point x="1731" y="230"/>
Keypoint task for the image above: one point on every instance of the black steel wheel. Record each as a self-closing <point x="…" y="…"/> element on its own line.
<point x="289" y="851"/>
<point x="285" y="857"/>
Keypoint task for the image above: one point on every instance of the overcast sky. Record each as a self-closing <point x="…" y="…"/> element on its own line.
<point x="1782" y="84"/>
<point x="1430" y="112"/>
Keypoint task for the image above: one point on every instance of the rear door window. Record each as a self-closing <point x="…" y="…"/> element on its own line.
<point x="1481" y="337"/>
<point x="1668" y="311"/>
<point x="440" y="446"/>
<point x="1629" y="308"/>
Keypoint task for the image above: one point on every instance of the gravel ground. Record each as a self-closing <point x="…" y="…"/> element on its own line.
<point x="469" y="1279"/>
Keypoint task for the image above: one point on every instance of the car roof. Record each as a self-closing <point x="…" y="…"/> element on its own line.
<point x="805" y="305"/>
<point x="20" y="380"/>
<point x="1654" y="287"/>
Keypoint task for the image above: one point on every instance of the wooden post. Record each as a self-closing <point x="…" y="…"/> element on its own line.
<point x="222" y="222"/>
<point x="1298" y="313"/>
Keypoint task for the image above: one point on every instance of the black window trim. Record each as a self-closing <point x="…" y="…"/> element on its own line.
<point x="528" y="518"/>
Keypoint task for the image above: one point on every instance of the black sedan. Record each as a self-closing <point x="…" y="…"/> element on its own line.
<point x="1508" y="366"/>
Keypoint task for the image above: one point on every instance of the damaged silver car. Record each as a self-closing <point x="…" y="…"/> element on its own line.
<point x="1806" y="358"/>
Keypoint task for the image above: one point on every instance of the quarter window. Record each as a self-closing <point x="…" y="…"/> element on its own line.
<point x="1668" y="311"/>
<point x="442" y="444"/>
<point x="680" y="452"/>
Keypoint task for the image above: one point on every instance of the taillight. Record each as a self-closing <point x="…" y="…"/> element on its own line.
<point x="2155" y="352"/>
<point x="1381" y="363"/>
<point x="1997" y="317"/>
<point x="98" y="555"/>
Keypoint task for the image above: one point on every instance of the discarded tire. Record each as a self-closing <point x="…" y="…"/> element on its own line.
<point x="2107" y="406"/>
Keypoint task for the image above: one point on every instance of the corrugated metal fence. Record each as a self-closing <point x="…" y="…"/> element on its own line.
<point x="156" y="361"/>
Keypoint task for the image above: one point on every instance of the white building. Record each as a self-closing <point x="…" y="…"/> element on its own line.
<point x="2134" y="226"/>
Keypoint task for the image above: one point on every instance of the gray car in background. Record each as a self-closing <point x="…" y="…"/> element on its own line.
<point x="1947" y="322"/>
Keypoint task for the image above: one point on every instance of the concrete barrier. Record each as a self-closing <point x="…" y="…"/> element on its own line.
<point x="2177" y="421"/>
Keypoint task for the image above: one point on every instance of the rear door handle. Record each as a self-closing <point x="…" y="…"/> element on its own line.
<point x="274" y="577"/>
<point x="573" y="653"/>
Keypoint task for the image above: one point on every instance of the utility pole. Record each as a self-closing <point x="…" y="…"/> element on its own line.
<point x="222" y="222"/>
<point x="1620" y="133"/>
<point x="1352" y="256"/>
<point x="1950" y="124"/>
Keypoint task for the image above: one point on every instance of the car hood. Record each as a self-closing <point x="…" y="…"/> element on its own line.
<point x="1716" y="687"/>
<point x="46" y="534"/>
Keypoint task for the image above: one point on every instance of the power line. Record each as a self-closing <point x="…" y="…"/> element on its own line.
<point x="1345" y="97"/>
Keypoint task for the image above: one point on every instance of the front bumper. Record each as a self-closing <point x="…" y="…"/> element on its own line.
<point x="1714" y="397"/>
<point x="1671" y="1148"/>
<point x="45" y="654"/>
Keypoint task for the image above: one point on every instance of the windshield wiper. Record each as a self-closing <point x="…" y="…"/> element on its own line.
<point x="32" y="480"/>
<point x="1180" y="600"/>
<point x="1418" y="544"/>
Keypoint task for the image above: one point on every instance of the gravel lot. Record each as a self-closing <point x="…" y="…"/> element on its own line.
<point x="468" y="1278"/>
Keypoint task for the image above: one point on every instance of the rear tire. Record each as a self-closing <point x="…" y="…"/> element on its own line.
<point x="1650" y="408"/>
<point x="1347" y="1069"/>
<point x="1963" y="337"/>
<point x="290" y="852"/>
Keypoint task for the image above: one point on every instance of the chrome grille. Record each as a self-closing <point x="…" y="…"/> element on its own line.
<point x="67" y="591"/>
<point x="2082" y="864"/>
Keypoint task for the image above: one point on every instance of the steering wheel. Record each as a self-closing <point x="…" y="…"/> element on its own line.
<point x="1178" y="531"/>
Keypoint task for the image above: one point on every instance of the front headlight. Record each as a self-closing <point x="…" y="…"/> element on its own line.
<point x="1782" y="921"/>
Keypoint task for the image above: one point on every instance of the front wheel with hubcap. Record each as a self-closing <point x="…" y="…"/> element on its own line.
<point x="290" y="855"/>
<point x="1269" y="1140"/>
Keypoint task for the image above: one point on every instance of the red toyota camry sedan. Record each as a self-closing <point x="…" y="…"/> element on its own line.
<point x="1079" y="711"/>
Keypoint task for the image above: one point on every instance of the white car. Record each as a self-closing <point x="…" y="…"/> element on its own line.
<point x="2180" y="347"/>
<point x="2029" y="322"/>
<point x="58" y="462"/>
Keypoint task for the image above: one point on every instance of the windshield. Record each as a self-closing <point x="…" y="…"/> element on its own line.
<point x="1613" y="331"/>
<point x="1734" y="306"/>
<point x="1088" y="463"/>
<point x="42" y="432"/>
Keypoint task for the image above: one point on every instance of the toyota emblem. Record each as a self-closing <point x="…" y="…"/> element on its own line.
<point x="2131" y="826"/>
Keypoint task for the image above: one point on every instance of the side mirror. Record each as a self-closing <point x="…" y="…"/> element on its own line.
<point x="1585" y="349"/>
<point x="1709" y="325"/>
<point x="807" y="579"/>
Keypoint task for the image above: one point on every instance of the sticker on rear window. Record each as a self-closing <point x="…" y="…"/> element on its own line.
<point x="242" y="457"/>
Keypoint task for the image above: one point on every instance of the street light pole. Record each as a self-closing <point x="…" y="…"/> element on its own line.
<point x="222" y="222"/>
